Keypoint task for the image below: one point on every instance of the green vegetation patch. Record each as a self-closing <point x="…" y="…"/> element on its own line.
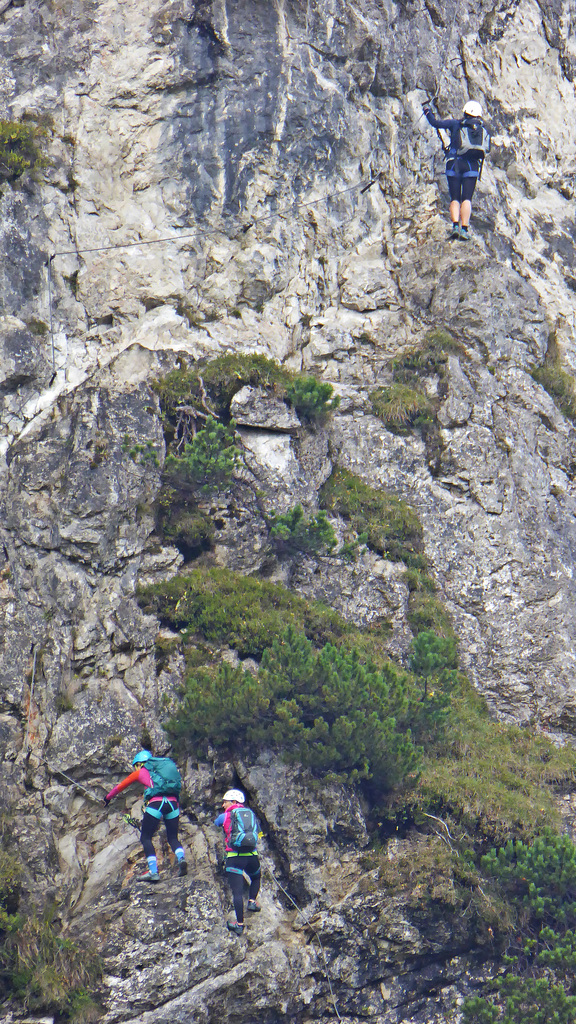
<point x="401" y="407"/>
<point x="208" y="462"/>
<point x="246" y="612"/>
<point x="426" y="360"/>
<point x="496" y="780"/>
<point x="391" y="526"/>
<point x="404" y="406"/>
<point x="38" y="966"/>
<point x="46" y="971"/>
<point x="19" y="149"/>
<point x="560" y="385"/>
<point x="209" y="387"/>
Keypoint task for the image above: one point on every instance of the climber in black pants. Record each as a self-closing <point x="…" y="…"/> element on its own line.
<point x="239" y="859"/>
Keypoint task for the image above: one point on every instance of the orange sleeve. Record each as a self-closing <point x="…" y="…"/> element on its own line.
<point x="124" y="784"/>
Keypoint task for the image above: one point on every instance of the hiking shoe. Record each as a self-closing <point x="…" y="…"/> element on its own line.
<point x="233" y="926"/>
<point x="455" y="233"/>
<point x="253" y="907"/>
<point x="182" y="868"/>
<point x="148" y="876"/>
<point x="464" y="235"/>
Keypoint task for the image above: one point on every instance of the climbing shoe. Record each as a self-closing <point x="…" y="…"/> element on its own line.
<point x="233" y="926"/>
<point x="148" y="876"/>
<point x="455" y="233"/>
<point x="464" y="236"/>
<point x="253" y="907"/>
<point x="182" y="868"/>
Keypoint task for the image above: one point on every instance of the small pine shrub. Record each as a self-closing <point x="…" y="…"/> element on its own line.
<point x="292" y="532"/>
<point x="323" y="709"/>
<point x="540" y="880"/>
<point x="209" y="461"/>
<point x="541" y="875"/>
<point x="312" y="399"/>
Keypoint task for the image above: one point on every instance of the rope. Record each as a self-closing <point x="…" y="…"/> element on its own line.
<point x="315" y="933"/>
<point x="57" y="771"/>
<point x="35" y="649"/>
<point x="50" y="311"/>
<point x="363" y="186"/>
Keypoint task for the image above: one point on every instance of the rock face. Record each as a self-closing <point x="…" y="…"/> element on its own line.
<point x="203" y="194"/>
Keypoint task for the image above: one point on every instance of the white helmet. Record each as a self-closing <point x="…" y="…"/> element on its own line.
<point x="473" y="109"/>
<point x="236" y="795"/>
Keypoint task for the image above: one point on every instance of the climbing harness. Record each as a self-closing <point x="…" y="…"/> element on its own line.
<point x="315" y="933"/>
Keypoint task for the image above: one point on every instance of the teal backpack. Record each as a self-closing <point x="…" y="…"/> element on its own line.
<point x="166" y="779"/>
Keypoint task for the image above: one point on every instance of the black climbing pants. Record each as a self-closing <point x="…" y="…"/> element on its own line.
<point x="235" y="868"/>
<point x="150" y="826"/>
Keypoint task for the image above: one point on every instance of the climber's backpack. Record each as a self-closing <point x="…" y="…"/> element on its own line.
<point x="166" y="779"/>
<point x="473" y="140"/>
<point x="243" y="830"/>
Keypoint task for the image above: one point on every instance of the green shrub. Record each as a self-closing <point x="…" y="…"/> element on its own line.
<point x="10" y="882"/>
<point x="212" y="385"/>
<point x="541" y="876"/>
<point x="208" y="463"/>
<point x="312" y="399"/>
<point x="293" y="532"/>
<point x="559" y="384"/>
<point x="540" y="880"/>
<point x="323" y="709"/>
<point x="19" y="149"/>
<point x="391" y="526"/>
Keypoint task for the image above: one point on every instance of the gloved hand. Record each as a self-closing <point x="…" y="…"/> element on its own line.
<point x="106" y="801"/>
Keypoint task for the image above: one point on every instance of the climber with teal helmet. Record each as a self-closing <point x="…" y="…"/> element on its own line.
<point x="469" y="143"/>
<point x="163" y="783"/>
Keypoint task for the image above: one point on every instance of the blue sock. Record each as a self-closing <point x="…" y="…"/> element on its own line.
<point x="179" y="853"/>
<point x="152" y="865"/>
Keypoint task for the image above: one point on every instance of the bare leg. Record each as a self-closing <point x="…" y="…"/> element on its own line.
<point x="465" y="212"/>
<point x="455" y="211"/>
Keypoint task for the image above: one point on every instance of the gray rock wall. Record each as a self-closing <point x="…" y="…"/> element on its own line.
<point x="235" y="136"/>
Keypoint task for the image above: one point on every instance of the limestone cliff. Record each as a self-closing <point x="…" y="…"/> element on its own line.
<point x="202" y="195"/>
